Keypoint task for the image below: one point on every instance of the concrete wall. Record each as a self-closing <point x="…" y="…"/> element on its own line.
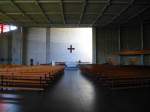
<point x="17" y="46"/>
<point x="45" y="45"/>
<point x="5" y="48"/>
<point x="22" y="45"/>
<point x="11" y="47"/>
<point x="36" y="45"/>
<point x="94" y="45"/>
<point x="79" y="38"/>
<point x="106" y="43"/>
<point x="130" y="37"/>
<point x="146" y="41"/>
<point x="48" y="46"/>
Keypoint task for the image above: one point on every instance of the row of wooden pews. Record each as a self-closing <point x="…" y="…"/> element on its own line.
<point x="118" y="76"/>
<point x="15" y="77"/>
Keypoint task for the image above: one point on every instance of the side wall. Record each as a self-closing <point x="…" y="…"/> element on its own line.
<point x="146" y="41"/>
<point x="106" y="43"/>
<point x="17" y="46"/>
<point x="5" y="48"/>
<point x="36" y="45"/>
<point x="11" y="47"/>
<point x="131" y="37"/>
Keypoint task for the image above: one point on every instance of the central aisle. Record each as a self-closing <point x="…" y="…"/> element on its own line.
<point x="73" y="93"/>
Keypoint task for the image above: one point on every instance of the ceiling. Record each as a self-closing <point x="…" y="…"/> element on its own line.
<point x="64" y="13"/>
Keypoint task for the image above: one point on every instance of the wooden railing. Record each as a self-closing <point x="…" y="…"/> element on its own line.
<point x="133" y="52"/>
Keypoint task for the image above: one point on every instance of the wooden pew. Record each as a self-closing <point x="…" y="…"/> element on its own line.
<point x="28" y="77"/>
<point x="118" y="76"/>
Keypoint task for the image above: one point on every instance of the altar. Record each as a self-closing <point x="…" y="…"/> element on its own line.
<point x="71" y="64"/>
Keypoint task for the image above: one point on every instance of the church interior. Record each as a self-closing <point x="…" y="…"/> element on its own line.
<point x="74" y="55"/>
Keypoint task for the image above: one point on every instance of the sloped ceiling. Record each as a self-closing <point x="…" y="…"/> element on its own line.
<point x="62" y="13"/>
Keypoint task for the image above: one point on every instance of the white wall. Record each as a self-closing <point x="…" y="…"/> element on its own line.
<point x="79" y="38"/>
<point x="36" y="45"/>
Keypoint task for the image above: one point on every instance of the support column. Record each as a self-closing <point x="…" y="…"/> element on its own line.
<point x="94" y="44"/>
<point x="119" y="42"/>
<point x="17" y="45"/>
<point x="9" y="48"/>
<point x="142" y="42"/>
<point x="24" y="49"/>
<point x="48" y="45"/>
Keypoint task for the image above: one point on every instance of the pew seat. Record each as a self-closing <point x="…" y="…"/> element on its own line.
<point x="118" y="76"/>
<point x="28" y="77"/>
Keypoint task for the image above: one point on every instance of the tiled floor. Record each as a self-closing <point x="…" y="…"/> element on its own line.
<point x="74" y="93"/>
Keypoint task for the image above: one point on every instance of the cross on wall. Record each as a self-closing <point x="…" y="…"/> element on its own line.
<point x="71" y="48"/>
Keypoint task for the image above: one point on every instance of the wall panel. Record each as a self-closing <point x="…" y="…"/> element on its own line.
<point x="146" y="41"/>
<point x="36" y="45"/>
<point x="106" y="42"/>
